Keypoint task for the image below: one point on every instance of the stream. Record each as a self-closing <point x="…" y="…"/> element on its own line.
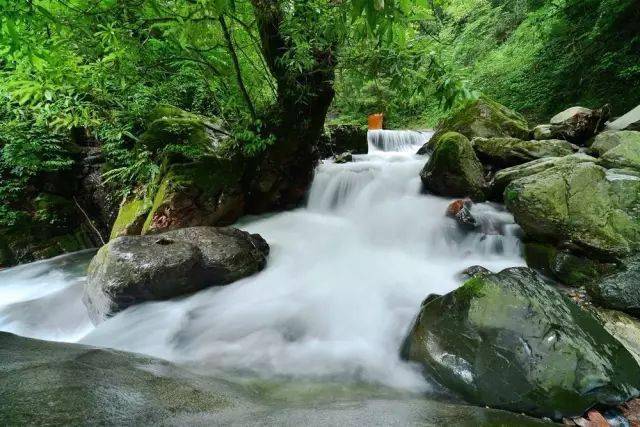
<point x="345" y="278"/>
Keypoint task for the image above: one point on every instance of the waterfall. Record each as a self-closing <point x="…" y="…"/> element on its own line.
<point x="397" y="140"/>
<point x="345" y="278"/>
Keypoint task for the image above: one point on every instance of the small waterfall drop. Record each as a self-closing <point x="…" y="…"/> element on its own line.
<point x="345" y="278"/>
<point x="396" y="140"/>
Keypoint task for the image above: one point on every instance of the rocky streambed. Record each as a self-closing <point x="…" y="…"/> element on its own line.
<point x="332" y="330"/>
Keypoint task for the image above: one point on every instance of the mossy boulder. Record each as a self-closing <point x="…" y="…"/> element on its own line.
<point x="134" y="269"/>
<point x="505" y="152"/>
<point x="505" y="176"/>
<point x="509" y="340"/>
<point x="453" y="169"/>
<point x="206" y="192"/>
<point x="483" y="118"/>
<point x="579" y="205"/>
<point x="621" y="290"/>
<point x="179" y="133"/>
<point x="622" y="327"/>
<point x="605" y="141"/>
<point x="624" y="155"/>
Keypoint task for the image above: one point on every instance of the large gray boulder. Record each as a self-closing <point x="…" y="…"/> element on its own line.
<point x="453" y="169"/>
<point x="629" y="121"/>
<point x="505" y="152"/>
<point x="134" y="269"/>
<point x="581" y="206"/>
<point x="579" y="124"/>
<point x="509" y="340"/>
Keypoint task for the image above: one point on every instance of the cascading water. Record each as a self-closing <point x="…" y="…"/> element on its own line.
<point x="345" y="278"/>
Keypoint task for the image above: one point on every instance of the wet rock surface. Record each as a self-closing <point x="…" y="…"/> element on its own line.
<point x="134" y="269"/>
<point x="47" y="383"/>
<point x="509" y="340"/>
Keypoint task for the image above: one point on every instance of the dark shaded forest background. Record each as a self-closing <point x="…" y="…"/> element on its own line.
<point x="86" y="70"/>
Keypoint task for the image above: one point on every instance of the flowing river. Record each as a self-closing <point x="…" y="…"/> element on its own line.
<point x="345" y="278"/>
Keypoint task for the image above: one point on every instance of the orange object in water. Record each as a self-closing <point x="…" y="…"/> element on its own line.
<point x="375" y="121"/>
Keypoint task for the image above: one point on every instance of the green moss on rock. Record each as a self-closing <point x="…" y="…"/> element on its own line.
<point x="509" y="340"/>
<point x="453" y="169"/>
<point x="624" y="155"/>
<point x="207" y="192"/>
<point x="579" y="205"/>
<point x="131" y="216"/>
<point x="505" y="152"/>
<point x="483" y="118"/>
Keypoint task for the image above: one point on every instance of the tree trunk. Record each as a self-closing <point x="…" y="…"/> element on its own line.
<point x="283" y="174"/>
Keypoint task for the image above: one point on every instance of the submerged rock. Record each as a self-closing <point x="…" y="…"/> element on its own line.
<point x="511" y="341"/>
<point x="345" y="157"/>
<point x="134" y="269"/>
<point x="505" y="152"/>
<point x="49" y="383"/>
<point x="483" y="118"/>
<point x="471" y="272"/>
<point x="453" y="169"/>
<point x="579" y="205"/>
<point x="460" y="210"/>
<point x="619" y="291"/>
<point x="579" y="124"/>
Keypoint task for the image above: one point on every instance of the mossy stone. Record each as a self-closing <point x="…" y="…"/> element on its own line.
<point x="453" y="169"/>
<point x="133" y="212"/>
<point x="505" y="152"/>
<point x="509" y="340"/>
<point x="206" y="192"/>
<point x="505" y="176"/>
<point x="624" y="155"/>
<point x="608" y="140"/>
<point x="580" y="205"/>
<point x="483" y="118"/>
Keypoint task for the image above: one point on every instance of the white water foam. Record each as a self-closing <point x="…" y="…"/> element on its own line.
<point x="345" y="279"/>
